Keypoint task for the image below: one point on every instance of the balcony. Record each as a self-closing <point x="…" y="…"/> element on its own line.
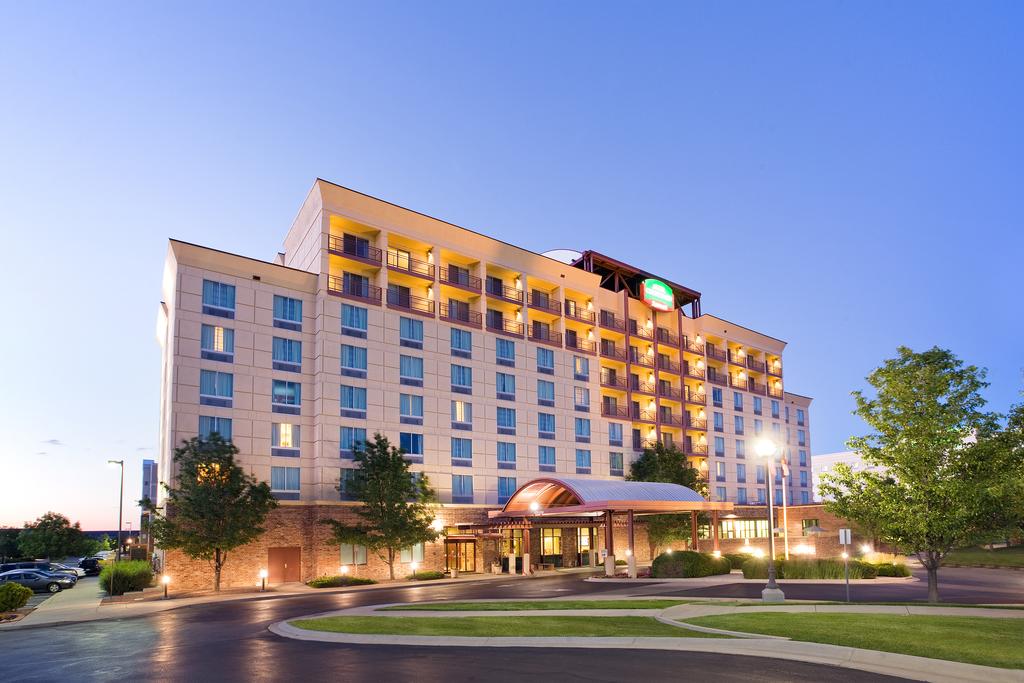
<point x="457" y="278"/>
<point x="666" y="337"/>
<point x="505" y="293"/>
<point x="775" y="370"/>
<point x="717" y="378"/>
<point x="757" y="387"/>
<point x="671" y="419"/>
<point x="581" y="345"/>
<point x="696" y="423"/>
<point x="754" y="364"/>
<point x="692" y="371"/>
<point x="668" y="365"/>
<point x="737" y="359"/>
<point x="670" y="392"/>
<point x="611" y="351"/>
<point x="692" y="346"/>
<point x="774" y="392"/>
<point x="543" y="302"/>
<point x="408" y="302"/>
<point x="354" y="249"/>
<point x="642" y="388"/>
<point x="461" y="317"/>
<point x="614" y="411"/>
<point x="400" y="263"/>
<point x="644" y="416"/>
<point x="643" y="444"/>
<point x="613" y="381"/>
<point x="698" y="449"/>
<point x="576" y="312"/>
<point x="716" y="354"/>
<point x="640" y="331"/>
<point x="609" y="321"/>
<point x="546" y="336"/>
<point x="737" y="383"/>
<point x="643" y="360"/>
<point x="695" y="397"/>
<point x="505" y="326"/>
<point x="353" y="290"/>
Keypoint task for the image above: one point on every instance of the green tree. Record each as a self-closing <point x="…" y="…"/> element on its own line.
<point x="948" y="477"/>
<point x="53" y="536"/>
<point x="213" y="506"/>
<point x="9" y="544"/>
<point x="397" y="507"/>
<point x="669" y="465"/>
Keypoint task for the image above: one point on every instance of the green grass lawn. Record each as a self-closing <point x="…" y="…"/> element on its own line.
<point x="975" y="640"/>
<point x="1004" y="557"/>
<point x="535" y="604"/>
<point x="484" y="627"/>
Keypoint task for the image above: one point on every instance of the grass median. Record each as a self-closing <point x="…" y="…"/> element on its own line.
<point x="499" y="627"/>
<point x="974" y="640"/>
<point x="1002" y="557"/>
<point x="519" y="605"/>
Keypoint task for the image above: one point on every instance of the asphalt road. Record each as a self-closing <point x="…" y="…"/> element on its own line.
<point x="229" y="641"/>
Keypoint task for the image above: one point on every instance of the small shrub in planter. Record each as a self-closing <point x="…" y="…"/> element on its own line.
<point x="426" y="576"/>
<point x="13" y="596"/>
<point x="892" y="569"/>
<point x="118" y="578"/>
<point x="339" y="581"/>
<point x="688" y="564"/>
<point x="621" y="563"/>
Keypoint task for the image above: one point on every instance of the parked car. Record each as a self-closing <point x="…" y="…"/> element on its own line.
<point x="42" y="565"/>
<point x="39" y="580"/>
<point x="91" y="566"/>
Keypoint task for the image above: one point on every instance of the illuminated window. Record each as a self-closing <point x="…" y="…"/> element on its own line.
<point x="217" y="343"/>
<point x="550" y="541"/>
<point x="462" y="413"/>
<point x="581" y="397"/>
<point x="284" y="436"/>
<point x="581" y="367"/>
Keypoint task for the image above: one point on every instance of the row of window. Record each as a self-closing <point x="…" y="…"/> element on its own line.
<point x="741" y="474"/>
<point x="759" y="497"/>
<point x="739" y="427"/>
<point x="758" y="403"/>
<point x="219" y="300"/>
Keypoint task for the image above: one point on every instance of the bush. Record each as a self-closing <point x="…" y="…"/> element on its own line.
<point x="757" y="568"/>
<point x="339" y="581"/>
<point x="688" y="564"/>
<point x="118" y="578"/>
<point x="892" y="569"/>
<point x="736" y="559"/>
<point x="621" y="563"/>
<point x="13" y="596"/>
<point x="426" y="576"/>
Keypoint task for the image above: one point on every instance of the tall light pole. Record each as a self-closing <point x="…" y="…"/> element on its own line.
<point x="120" y="506"/>
<point x="771" y="593"/>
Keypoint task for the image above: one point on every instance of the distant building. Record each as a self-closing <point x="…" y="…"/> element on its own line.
<point x="824" y="462"/>
<point x="149" y="490"/>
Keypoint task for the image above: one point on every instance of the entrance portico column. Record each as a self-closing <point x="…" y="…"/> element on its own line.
<point x="714" y="528"/>
<point x="631" y="550"/>
<point x="693" y="530"/>
<point x="526" y="551"/>
<point x="511" y="552"/>
<point x="609" y="544"/>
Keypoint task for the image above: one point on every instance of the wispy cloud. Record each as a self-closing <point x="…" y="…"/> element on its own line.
<point x="40" y="453"/>
<point x="142" y="448"/>
<point x="53" y="442"/>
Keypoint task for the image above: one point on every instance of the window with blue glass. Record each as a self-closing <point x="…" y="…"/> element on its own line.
<point x="506" y="455"/>
<point x="546" y="425"/>
<point x="760" y="474"/>
<point x="805" y="497"/>
<point x="352" y="440"/>
<point x="216" y="388"/>
<point x="803" y="458"/>
<point x="410" y="333"/>
<point x="615" y="464"/>
<point x="284" y="482"/>
<point x="741" y="448"/>
<point x="505" y="352"/>
<point x="803" y="477"/>
<point x="801" y="437"/>
<point x="581" y="398"/>
<point x="412" y="444"/>
<point x="614" y="434"/>
<point x="285" y="397"/>
<point x="800" y="417"/>
<point x="719" y="446"/>
<point x="778" y="496"/>
<point x="777" y="431"/>
<point x="737" y="400"/>
<point x="353" y="401"/>
<point x="287" y="354"/>
<point x="345" y="493"/>
<point x="462" y="342"/>
<point x="775" y="409"/>
<point x="741" y="472"/>
<point x="546" y="458"/>
<point x="720" y="493"/>
<point x="719" y="422"/>
<point x="462" y="488"/>
<point x="545" y="361"/>
<point x="353" y="320"/>
<point x="741" y="496"/>
<point x="757" y="405"/>
<point x="410" y="370"/>
<point x="218" y="299"/>
<point x="462" y="452"/>
<point x="410" y="409"/>
<point x="462" y="379"/>
<point x="217" y="343"/>
<point x="545" y="392"/>
<point x="506" y="487"/>
<point x="758" y="426"/>
<point x="582" y="461"/>
<point x="353" y="361"/>
<point x="761" y="500"/>
<point x="737" y="424"/>
<point x="582" y="430"/>
<point x="506" y="386"/>
<point x="287" y="313"/>
<point x="214" y="425"/>
<point x="581" y="367"/>
<point x="506" y="420"/>
<point x="716" y="397"/>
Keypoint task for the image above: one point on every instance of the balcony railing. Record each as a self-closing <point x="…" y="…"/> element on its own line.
<point x="408" y="302"/>
<point x="407" y="264"/>
<point x="611" y="351"/>
<point x="716" y="354"/>
<point x="695" y="397"/>
<point x="456" y="315"/>
<point x="695" y="449"/>
<point x="718" y="378"/>
<point x="505" y="326"/>
<point x="613" y="381"/>
<point x="353" y="249"/>
<point x="576" y="312"/>
<point x="544" y="302"/>
<point x="671" y="419"/>
<point x="614" y="411"/>
<point x="774" y="392"/>
<point x="581" y="345"/>
<point x="546" y="336"/>
<point x="505" y="293"/>
<point x="668" y="365"/>
<point x="737" y="359"/>
<point x="755" y="364"/>
<point x="643" y="444"/>
<point x="338" y="287"/>
<point x="696" y="423"/>
<point x="737" y="383"/>
<point x="775" y="370"/>
<point x="609" y="321"/>
<point x="642" y="359"/>
<point x="757" y="387"/>
<point x="641" y="331"/>
<point x="669" y="391"/>
<point x="459" y="279"/>
<point x="666" y="337"/>
<point x="643" y="416"/>
<point x="693" y="371"/>
<point x="692" y="346"/>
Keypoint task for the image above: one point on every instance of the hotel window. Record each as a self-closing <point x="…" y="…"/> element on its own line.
<point x="412" y="444"/>
<point x="775" y="409"/>
<point x="761" y="497"/>
<point x="410" y="370"/>
<point x="545" y="393"/>
<point x="803" y="478"/>
<point x="353" y="401"/>
<point x="582" y="430"/>
<point x="462" y="452"/>
<point x="758" y="427"/>
<point x="716" y="397"/>
<point x="462" y="343"/>
<point x="506" y="455"/>
<point x="410" y="409"/>
<point x="352" y="554"/>
<point x="505" y="352"/>
<point x="801" y="437"/>
<point x="506" y="386"/>
<point x="506" y="487"/>
<point x="287" y="313"/>
<point x="352" y="440"/>
<point x="741" y="448"/>
<point x="546" y="458"/>
<point x="760" y="474"/>
<point x="803" y="458"/>
<point x="720" y="493"/>
<point x="741" y="472"/>
<point x="462" y="415"/>
<point x="787" y="414"/>
<point x="410" y="333"/>
<point x="581" y="367"/>
<point x="719" y="446"/>
<point x="462" y="379"/>
<point x="506" y="420"/>
<point x="287" y="354"/>
<point x="581" y="398"/>
<point x="546" y="425"/>
<point x="800" y="417"/>
<point x="737" y="400"/>
<point x="353" y="361"/>
<point x="411" y="554"/>
<point x="285" y="439"/>
<point x="757" y="405"/>
<point x="345" y="483"/>
<point x="614" y="434"/>
<point x="805" y="497"/>
<point x="741" y="496"/>
<point x="719" y="471"/>
<point x="462" y="488"/>
<point x="216" y="388"/>
<point x="582" y="461"/>
<point x="214" y="425"/>
<point x="284" y="482"/>
<point x="217" y="343"/>
<point x="218" y="299"/>
<point x="778" y="496"/>
<point x="286" y="397"/>
<point x="737" y="424"/>
<point x="353" y="320"/>
<point x="719" y="420"/>
<point x="551" y="542"/>
<point x="546" y="361"/>
<point x="615" y="464"/>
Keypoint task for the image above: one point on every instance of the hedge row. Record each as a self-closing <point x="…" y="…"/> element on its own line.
<point x="339" y="581"/>
<point x="688" y="564"/>
<point x="13" y="596"/>
<point x="426" y="576"/>
<point x="118" y="578"/>
<point x="757" y="568"/>
<point x="892" y="569"/>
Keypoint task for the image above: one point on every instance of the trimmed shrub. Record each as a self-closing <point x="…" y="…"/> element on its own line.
<point x="13" y="596"/>
<point x="736" y="559"/>
<point x="339" y="581"/>
<point x="688" y="564"/>
<point x="892" y="569"/>
<point x="757" y="568"/>
<point x="426" y="576"/>
<point x="118" y="578"/>
<point x="621" y="563"/>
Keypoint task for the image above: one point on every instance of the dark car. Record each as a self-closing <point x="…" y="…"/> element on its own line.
<point x="38" y="580"/>
<point x="39" y="565"/>
<point x="91" y="566"/>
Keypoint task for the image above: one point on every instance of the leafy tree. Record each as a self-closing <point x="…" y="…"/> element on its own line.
<point x="9" y="544"/>
<point x="669" y="465"/>
<point x="53" y="536"/>
<point x="948" y="477"/>
<point x="213" y="506"/>
<point x="397" y="507"/>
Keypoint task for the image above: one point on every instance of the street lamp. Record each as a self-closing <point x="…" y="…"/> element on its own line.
<point x="263" y="580"/>
<point x="166" y="580"/>
<point x="120" y="506"/>
<point x="771" y="593"/>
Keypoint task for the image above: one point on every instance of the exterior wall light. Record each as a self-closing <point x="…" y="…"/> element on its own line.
<point x="343" y="569"/>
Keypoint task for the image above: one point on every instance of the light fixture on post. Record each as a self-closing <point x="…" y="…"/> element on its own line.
<point x="263" y="580"/>
<point x="772" y="593"/>
<point x="166" y="580"/>
<point x="120" y="506"/>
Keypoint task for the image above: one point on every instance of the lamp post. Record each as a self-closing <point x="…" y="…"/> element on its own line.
<point x="166" y="581"/>
<point x="120" y="506"/>
<point x="263" y="580"/>
<point x="771" y="593"/>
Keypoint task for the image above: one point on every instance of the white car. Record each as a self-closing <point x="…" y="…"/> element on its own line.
<point x="105" y="554"/>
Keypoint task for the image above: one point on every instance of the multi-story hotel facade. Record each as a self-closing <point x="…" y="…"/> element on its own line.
<point x="490" y="365"/>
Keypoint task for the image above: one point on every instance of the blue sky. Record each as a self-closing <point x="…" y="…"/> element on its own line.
<point x="845" y="176"/>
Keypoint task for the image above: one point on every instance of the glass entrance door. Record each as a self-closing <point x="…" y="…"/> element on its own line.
<point x="460" y="555"/>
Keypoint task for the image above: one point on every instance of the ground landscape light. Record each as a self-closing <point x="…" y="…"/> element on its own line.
<point x="343" y="569"/>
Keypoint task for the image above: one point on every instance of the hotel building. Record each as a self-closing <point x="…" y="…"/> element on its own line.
<point x="490" y="365"/>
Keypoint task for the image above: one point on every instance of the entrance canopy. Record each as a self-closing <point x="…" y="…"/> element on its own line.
<point x="557" y="497"/>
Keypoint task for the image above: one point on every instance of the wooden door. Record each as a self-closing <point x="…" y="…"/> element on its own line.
<point x="284" y="564"/>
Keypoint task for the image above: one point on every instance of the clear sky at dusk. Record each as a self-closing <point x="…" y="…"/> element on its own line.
<point x="846" y="176"/>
